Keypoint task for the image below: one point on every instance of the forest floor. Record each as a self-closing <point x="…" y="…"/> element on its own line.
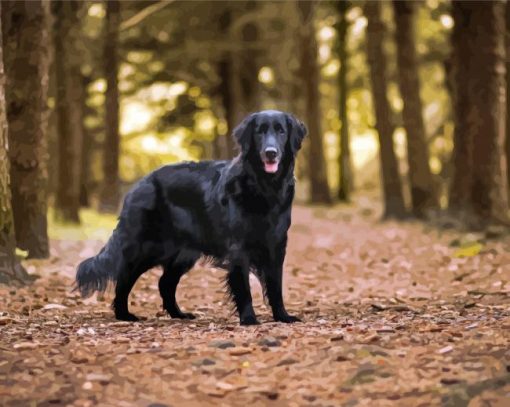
<point x="394" y="314"/>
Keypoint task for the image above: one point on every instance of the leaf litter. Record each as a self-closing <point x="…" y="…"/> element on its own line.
<point x="394" y="314"/>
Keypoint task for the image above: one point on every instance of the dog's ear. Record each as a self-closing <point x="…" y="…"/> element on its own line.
<point x="297" y="132"/>
<point x="243" y="132"/>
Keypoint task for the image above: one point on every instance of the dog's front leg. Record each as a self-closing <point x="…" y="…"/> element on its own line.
<point x="272" y="273"/>
<point x="239" y="286"/>
<point x="273" y="282"/>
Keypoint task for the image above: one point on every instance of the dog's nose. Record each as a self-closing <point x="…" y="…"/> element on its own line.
<point x="270" y="153"/>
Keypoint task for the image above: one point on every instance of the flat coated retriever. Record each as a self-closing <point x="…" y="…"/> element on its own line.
<point x="237" y="212"/>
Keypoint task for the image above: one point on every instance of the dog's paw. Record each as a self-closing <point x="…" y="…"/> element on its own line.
<point x="127" y="317"/>
<point x="250" y="320"/>
<point x="287" y="319"/>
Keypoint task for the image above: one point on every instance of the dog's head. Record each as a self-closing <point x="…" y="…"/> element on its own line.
<point x="270" y="137"/>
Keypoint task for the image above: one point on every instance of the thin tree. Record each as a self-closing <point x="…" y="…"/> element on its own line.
<point x="25" y="33"/>
<point x="110" y="194"/>
<point x="480" y="184"/>
<point x="377" y="61"/>
<point x="310" y="77"/>
<point x="507" y="44"/>
<point x="228" y="79"/>
<point x="10" y="269"/>
<point x="344" y="157"/>
<point x="87" y="147"/>
<point x="249" y="64"/>
<point x="422" y="188"/>
<point x="68" y="107"/>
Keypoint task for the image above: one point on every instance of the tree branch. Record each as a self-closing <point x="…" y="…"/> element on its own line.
<point x="143" y="14"/>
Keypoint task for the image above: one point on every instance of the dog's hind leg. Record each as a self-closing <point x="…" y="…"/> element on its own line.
<point x="125" y="283"/>
<point x="173" y="270"/>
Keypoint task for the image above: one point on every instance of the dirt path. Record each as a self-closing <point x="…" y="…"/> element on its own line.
<point x="393" y="316"/>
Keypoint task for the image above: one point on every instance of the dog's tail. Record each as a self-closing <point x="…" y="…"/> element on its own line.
<point x="96" y="273"/>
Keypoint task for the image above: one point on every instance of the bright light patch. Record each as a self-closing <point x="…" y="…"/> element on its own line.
<point x="150" y="144"/>
<point x="266" y="75"/>
<point x="397" y="103"/>
<point x="177" y="88"/>
<point x="354" y="13"/>
<point x="206" y="123"/>
<point x="446" y="21"/>
<point x="135" y="116"/>
<point x="126" y="70"/>
<point x="324" y="53"/>
<point x="98" y="85"/>
<point x="326" y="33"/>
<point x="359" y="25"/>
<point x="332" y="68"/>
<point x="435" y="165"/>
<point x="96" y="10"/>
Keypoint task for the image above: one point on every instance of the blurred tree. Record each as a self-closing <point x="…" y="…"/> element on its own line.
<point x="344" y="159"/>
<point x="249" y="62"/>
<point x="110" y="193"/>
<point x="69" y="96"/>
<point x="228" y="89"/>
<point x="480" y="179"/>
<point x="391" y="184"/>
<point x="422" y="188"/>
<point x="25" y="33"/>
<point x="86" y="150"/>
<point x="507" y="46"/>
<point x="310" y="76"/>
<point x="11" y="270"/>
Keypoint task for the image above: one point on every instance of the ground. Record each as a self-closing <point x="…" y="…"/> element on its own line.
<point x="394" y="314"/>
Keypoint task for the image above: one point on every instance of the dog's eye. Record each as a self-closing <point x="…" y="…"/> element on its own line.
<point x="279" y="128"/>
<point x="263" y="128"/>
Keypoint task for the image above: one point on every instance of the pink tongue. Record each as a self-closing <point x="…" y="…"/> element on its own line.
<point x="271" y="167"/>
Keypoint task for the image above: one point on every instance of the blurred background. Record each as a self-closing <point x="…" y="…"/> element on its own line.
<point x="404" y="101"/>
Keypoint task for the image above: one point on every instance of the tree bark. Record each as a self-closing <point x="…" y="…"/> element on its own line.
<point x="238" y="70"/>
<point x="507" y="45"/>
<point x="462" y="155"/>
<point x="10" y="269"/>
<point x="110" y="195"/>
<point x="394" y="206"/>
<point x="482" y="117"/>
<point x="86" y="150"/>
<point x="422" y="187"/>
<point x="26" y="56"/>
<point x="69" y="109"/>
<point x="228" y="77"/>
<point x="344" y="158"/>
<point x="249" y="66"/>
<point x="310" y="77"/>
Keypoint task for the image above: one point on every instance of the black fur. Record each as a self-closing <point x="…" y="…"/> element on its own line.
<point x="238" y="212"/>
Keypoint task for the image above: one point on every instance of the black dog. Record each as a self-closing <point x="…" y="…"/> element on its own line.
<point x="237" y="212"/>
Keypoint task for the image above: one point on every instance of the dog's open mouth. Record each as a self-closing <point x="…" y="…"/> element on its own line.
<point x="271" y="166"/>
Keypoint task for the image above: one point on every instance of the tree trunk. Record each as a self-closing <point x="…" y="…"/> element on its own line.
<point x="10" y="269"/>
<point x="310" y="77"/>
<point x="87" y="147"/>
<point x="482" y="117"/>
<point x="249" y="65"/>
<point x="422" y="187"/>
<point x="391" y="185"/>
<point x="69" y="108"/>
<point x="344" y="158"/>
<point x="462" y="155"/>
<point x="239" y="74"/>
<point x="110" y="194"/>
<point x="507" y="45"/>
<point x="25" y="33"/>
